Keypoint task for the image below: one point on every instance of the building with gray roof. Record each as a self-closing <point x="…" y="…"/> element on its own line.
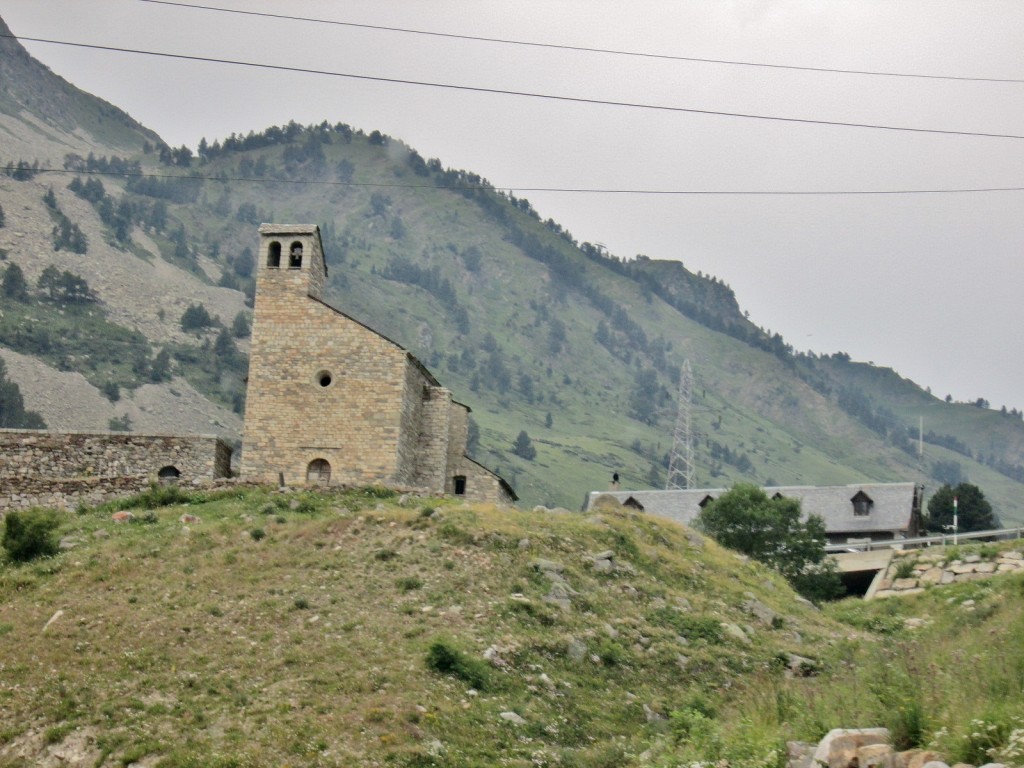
<point x="852" y="513"/>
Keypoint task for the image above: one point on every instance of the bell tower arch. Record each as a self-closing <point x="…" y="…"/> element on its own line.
<point x="291" y="260"/>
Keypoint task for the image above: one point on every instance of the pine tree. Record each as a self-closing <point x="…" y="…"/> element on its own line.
<point x="14" y="286"/>
<point x="12" y="406"/>
<point x="523" y="447"/>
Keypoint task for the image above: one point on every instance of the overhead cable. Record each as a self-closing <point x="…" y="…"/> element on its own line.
<point x="587" y="49"/>
<point x="526" y="94"/>
<point x="519" y="190"/>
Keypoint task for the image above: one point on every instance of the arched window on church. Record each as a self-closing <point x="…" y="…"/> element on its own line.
<point x="274" y="255"/>
<point x="295" y="256"/>
<point x="318" y="472"/>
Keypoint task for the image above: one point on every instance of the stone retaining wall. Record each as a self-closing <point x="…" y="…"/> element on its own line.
<point x="65" y="469"/>
<point x="933" y="567"/>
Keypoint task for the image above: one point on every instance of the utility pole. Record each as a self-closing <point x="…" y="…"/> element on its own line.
<point x="680" y="465"/>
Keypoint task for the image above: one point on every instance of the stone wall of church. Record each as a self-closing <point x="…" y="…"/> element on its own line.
<point x="324" y="390"/>
<point x="64" y="469"/>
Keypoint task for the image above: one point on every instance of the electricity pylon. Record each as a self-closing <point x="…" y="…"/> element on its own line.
<point x="680" y="465"/>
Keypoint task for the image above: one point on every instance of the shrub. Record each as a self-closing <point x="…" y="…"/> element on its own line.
<point x="149" y="518"/>
<point x="258" y="534"/>
<point x="444" y="658"/>
<point x="452" y="533"/>
<point x="379" y="492"/>
<point x="29" y="534"/>
<point x="611" y="653"/>
<point x="157" y="496"/>
<point x="409" y="583"/>
<point x="904" y="569"/>
<point x="690" y="627"/>
<point x="305" y="506"/>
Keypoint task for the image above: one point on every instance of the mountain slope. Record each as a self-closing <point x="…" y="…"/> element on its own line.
<point x="535" y="331"/>
<point x="42" y="116"/>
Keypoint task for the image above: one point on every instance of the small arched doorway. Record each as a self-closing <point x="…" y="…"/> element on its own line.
<point x="168" y="475"/>
<point x="318" y="472"/>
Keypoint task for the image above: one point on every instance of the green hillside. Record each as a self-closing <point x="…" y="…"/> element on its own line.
<point x="533" y="329"/>
<point x="361" y="629"/>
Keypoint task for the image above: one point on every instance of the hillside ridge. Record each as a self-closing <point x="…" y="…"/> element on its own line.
<point x="531" y="328"/>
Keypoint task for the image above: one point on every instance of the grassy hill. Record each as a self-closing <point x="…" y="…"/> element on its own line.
<point x="365" y="629"/>
<point x="530" y="327"/>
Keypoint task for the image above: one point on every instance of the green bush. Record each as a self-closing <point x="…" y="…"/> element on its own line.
<point x="409" y="583"/>
<point x="904" y="569"/>
<point x="379" y="492"/>
<point x="690" y="627"/>
<point x="444" y="658"/>
<point x="452" y="533"/>
<point x="157" y="496"/>
<point x="30" y="534"/>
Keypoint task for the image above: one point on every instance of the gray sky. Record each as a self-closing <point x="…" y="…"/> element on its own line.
<point x="927" y="284"/>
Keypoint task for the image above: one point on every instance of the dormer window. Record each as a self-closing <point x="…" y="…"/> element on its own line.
<point x="295" y="256"/>
<point x="274" y="255"/>
<point x="862" y="504"/>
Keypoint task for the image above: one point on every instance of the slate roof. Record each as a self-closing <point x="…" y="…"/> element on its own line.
<point x="892" y="509"/>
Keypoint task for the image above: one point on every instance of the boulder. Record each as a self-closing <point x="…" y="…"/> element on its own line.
<point x="734" y="631"/>
<point x="918" y="758"/>
<point x="547" y="566"/>
<point x="839" y="747"/>
<point x="759" y="610"/>
<point x="873" y="755"/>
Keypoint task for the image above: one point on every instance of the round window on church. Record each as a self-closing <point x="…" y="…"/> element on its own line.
<point x="324" y="379"/>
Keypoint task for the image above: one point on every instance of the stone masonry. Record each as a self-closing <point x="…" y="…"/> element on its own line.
<point x="914" y="570"/>
<point x="61" y="470"/>
<point x="330" y="401"/>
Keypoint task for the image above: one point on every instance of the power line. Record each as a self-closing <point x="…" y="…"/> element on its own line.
<point x="588" y="49"/>
<point x="518" y="189"/>
<point x="525" y="94"/>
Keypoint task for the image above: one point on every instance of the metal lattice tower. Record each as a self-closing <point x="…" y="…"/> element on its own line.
<point x="680" y="465"/>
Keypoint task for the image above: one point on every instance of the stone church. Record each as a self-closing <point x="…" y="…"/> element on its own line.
<point x="330" y="401"/>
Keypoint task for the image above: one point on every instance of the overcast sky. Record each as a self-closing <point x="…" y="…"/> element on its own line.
<point x="929" y="284"/>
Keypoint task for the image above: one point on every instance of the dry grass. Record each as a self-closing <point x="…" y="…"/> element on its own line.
<point x="309" y="647"/>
